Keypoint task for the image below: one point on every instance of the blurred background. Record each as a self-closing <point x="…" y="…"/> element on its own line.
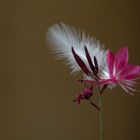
<point x="36" y="91"/>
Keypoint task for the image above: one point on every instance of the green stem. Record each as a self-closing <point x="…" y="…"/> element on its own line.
<point x="100" y="114"/>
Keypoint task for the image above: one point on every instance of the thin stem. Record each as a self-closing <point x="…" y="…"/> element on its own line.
<point x="93" y="104"/>
<point x="100" y="114"/>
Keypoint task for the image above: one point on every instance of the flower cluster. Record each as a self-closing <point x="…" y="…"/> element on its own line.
<point x="100" y="68"/>
<point x="85" y="94"/>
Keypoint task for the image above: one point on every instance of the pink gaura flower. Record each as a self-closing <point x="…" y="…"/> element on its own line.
<point x="119" y="72"/>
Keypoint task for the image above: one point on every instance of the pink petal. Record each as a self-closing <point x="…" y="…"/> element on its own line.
<point x="110" y="62"/>
<point x="121" y="58"/>
<point x="130" y="71"/>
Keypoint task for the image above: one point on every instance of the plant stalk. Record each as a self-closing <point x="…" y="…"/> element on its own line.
<point x="100" y="114"/>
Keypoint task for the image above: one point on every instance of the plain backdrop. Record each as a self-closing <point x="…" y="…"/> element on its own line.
<point x="36" y="91"/>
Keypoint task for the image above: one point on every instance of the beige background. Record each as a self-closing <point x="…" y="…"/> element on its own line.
<point x="36" y="91"/>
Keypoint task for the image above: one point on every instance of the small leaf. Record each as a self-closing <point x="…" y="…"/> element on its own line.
<point x="89" y="59"/>
<point x="96" y="64"/>
<point x="80" y="62"/>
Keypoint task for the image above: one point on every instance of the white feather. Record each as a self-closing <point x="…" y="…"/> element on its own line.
<point x="62" y="37"/>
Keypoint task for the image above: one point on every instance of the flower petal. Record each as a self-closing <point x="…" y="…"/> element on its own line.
<point x="121" y="59"/>
<point x="130" y="71"/>
<point x="110" y="58"/>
